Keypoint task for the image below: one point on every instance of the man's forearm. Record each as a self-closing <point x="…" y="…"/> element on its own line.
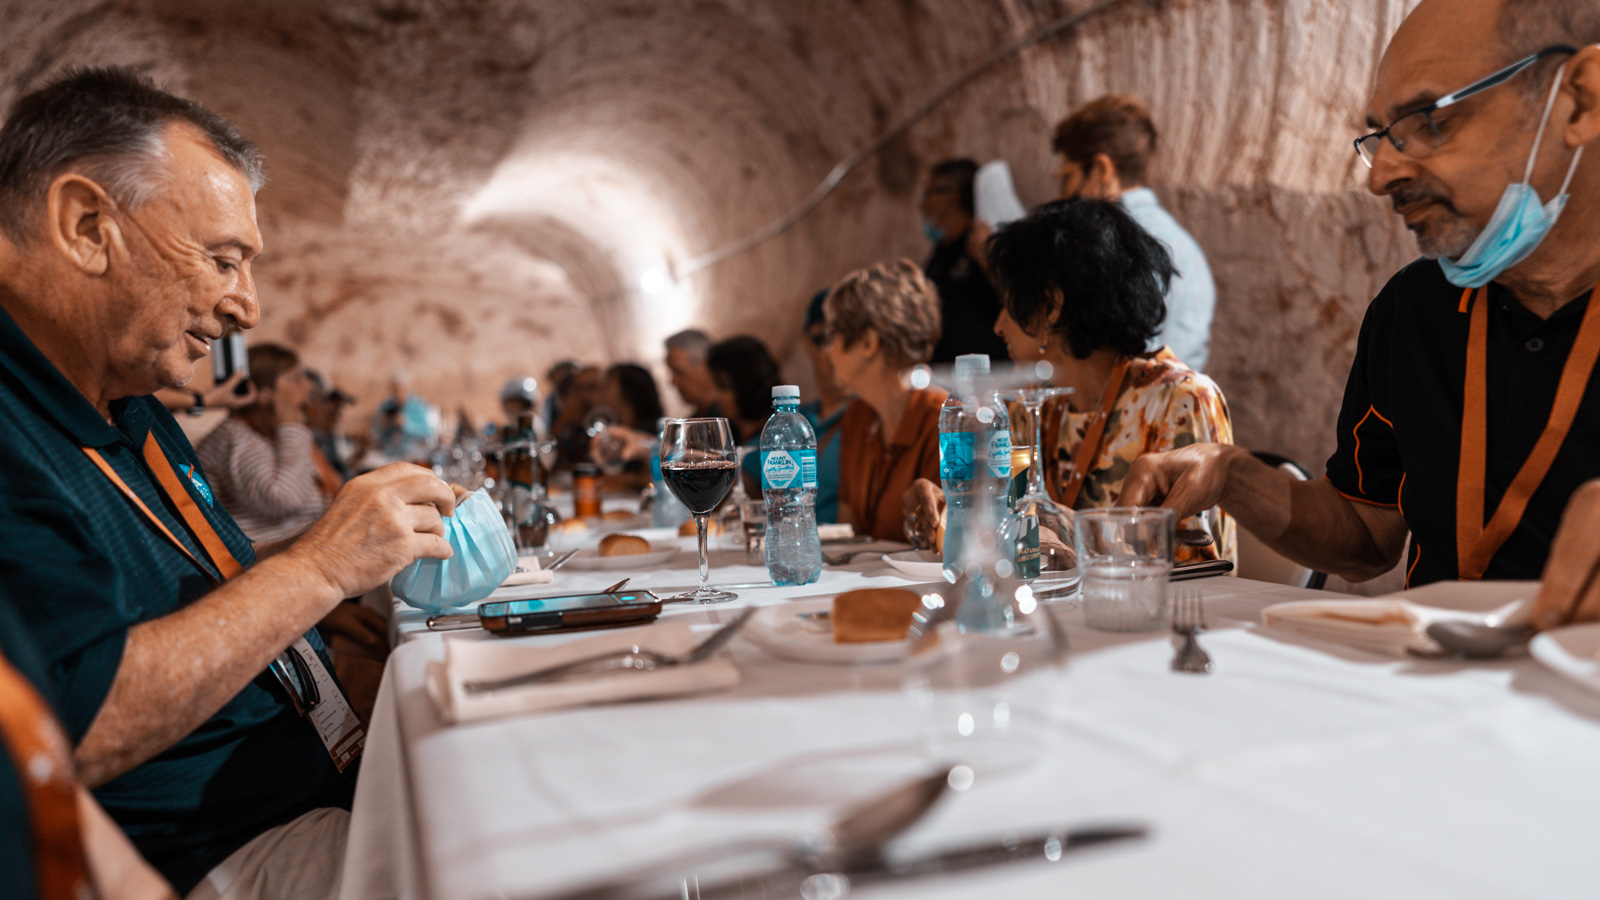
<point x="1311" y="523"/>
<point x="178" y="670"/>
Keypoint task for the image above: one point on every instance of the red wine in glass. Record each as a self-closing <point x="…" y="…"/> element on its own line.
<point x="700" y="484"/>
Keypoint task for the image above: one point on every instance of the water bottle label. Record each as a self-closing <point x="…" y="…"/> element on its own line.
<point x="655" y="467"/>
<point x="782" y="469"/>
<point x="955" y="456"/>
<point x="1000" y="453"/>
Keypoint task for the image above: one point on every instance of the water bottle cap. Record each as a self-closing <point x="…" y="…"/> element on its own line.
<point x="782" y="391"/>
<point x="972" y="364"/>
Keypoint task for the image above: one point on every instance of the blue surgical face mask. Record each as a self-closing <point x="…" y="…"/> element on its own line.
<point x="932" y="232"/>
<point x="484" y="557"/>
<point x="1519" y="224"/>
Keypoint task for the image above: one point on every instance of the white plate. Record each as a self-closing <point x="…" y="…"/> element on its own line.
<point x="923" y="565"/>
<point x="590" y="560"/>
<point x="779" y="630"/>
<point x="1573" y="651"/>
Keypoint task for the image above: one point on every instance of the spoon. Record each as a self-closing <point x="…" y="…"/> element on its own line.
<point x="1473" y="640"/>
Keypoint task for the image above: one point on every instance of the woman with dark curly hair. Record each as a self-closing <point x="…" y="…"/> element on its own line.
<point x="1082" y="285"/>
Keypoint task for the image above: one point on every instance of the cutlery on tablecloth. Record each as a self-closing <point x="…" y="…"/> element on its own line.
<point x="1188" y="620"/>
<point x="1477" y="640"/>
<point x="561" y="560"/>
<point x="635" y="657"/>
<point x="854" y="841"/>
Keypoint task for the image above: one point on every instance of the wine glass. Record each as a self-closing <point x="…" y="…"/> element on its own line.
<point x="697" y="465"/>
<point x="1040" y="528"/>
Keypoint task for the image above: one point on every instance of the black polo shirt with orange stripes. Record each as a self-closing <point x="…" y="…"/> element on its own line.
<point x="1400" y="426"/>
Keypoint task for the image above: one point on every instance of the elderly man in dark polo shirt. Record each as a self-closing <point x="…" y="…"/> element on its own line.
<point x="183" y="660"/>
<point x="1472" y="413"/>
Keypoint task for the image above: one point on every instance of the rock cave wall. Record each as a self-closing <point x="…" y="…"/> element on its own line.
<point x="467" y="189"/>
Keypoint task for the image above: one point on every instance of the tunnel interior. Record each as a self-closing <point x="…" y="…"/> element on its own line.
<point x="469" y="189"/>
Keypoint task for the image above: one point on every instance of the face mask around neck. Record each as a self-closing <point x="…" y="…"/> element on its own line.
<point x="1519" y="224"/>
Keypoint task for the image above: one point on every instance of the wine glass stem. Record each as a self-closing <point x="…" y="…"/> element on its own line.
<point x="705" y="562"/>
<point x="1036" y="471"/>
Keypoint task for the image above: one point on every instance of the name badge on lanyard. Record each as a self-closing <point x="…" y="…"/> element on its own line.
<point x="310" y="686"/>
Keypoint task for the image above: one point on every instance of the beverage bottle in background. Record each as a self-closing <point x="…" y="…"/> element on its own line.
<point x="668" y="511"/>
<point x="586" y="490"/>
<point x="789" y="482"/>
<point x="960" y="430"/>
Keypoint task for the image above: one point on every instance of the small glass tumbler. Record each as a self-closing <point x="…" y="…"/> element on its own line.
<point x="1125" y="557"/>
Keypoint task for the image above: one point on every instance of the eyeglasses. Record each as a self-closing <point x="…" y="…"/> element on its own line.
<point x="1416" y="134"/>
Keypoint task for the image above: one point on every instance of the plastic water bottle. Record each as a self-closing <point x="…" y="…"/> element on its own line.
<point x="960" y="430"/>
<point x="668" y="511"/>
<point x="789" y="483"/>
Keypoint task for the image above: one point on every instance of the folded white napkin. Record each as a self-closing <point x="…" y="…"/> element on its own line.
<point x="835" y="531"/>
<point x="1395" y="623"/>
<point x="528" y="571"/>
<point x="477" y="659"/>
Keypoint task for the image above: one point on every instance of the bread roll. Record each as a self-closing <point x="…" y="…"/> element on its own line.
<point x="873" y="614"/>
<point x="573" y="525"/>
<point x="616" y="515"/>
<point x="623" y="545"/>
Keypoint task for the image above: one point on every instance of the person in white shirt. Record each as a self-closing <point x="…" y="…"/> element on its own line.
<point x="1105" y="149"/>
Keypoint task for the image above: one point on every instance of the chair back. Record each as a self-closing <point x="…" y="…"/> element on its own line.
<point x="1259" y="562"/>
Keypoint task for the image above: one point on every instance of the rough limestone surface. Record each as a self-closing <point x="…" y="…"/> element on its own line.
<point x="467" y="189"/>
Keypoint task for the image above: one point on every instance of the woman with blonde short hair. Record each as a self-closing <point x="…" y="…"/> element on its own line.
<point x="882" y="320"/>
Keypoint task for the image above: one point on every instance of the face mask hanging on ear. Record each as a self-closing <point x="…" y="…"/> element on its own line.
<point x="484" y="557"/>
<point x="1519" y="224"/>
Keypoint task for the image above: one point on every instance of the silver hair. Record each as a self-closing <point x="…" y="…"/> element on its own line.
<point x="110" y="124"/>
<point x="693" y="341"/>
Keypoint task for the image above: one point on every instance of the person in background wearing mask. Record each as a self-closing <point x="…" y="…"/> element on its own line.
<point x="1105" y="149"/>
<point x="1471" y="415"/>
<point x="686" y="361"/>
<point x="824" y="411"/>
<point x="968" y="305"/>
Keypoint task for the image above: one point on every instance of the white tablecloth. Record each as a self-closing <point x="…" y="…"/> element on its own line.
<point x="1295" y="770"/>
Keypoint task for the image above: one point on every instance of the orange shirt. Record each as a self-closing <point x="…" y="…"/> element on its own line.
<point x="873" y="477"/>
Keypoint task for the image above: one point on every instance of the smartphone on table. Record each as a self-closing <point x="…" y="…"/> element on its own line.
<point x="570" y="612"/>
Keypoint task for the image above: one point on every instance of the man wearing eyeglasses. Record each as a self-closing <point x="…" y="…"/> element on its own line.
<point x="1471" y="415"/>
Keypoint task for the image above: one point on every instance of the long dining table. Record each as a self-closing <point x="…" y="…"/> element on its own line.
<point x="1295" y="769"/>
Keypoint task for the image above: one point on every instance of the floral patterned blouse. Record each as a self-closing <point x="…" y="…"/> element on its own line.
<point x="1163" y="405"/>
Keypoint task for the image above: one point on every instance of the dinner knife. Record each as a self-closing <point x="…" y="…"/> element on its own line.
<point x="810" y="877"/>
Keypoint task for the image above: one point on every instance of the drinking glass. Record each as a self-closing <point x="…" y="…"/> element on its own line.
<point x="697" y="465"/>
<point x="1035" y="514"/>
<point x="1125" y="554"/>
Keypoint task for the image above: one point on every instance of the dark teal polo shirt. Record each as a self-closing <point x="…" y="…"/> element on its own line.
<point x="17" y="878"/>
<point x="81" y="566"/>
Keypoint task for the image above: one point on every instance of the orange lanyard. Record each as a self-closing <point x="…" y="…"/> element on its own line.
<point x="1089" y="449"/>
<point x="1476" y="543"/>
<point x="40" y="754"/>
<point x="199" y="526"/>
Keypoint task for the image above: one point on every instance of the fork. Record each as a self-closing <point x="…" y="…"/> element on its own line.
<point x="1188" y="620"/>
<point x="634" y="657"/>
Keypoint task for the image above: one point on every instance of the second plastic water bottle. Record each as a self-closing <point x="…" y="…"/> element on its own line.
<point x="959" y="431"/>
<point x="789" y="483"/>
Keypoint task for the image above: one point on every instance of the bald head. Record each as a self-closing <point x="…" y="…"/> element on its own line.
<point x="1451" y="165"/>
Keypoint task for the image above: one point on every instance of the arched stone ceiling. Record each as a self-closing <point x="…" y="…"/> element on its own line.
<point x="471" y="188"/>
